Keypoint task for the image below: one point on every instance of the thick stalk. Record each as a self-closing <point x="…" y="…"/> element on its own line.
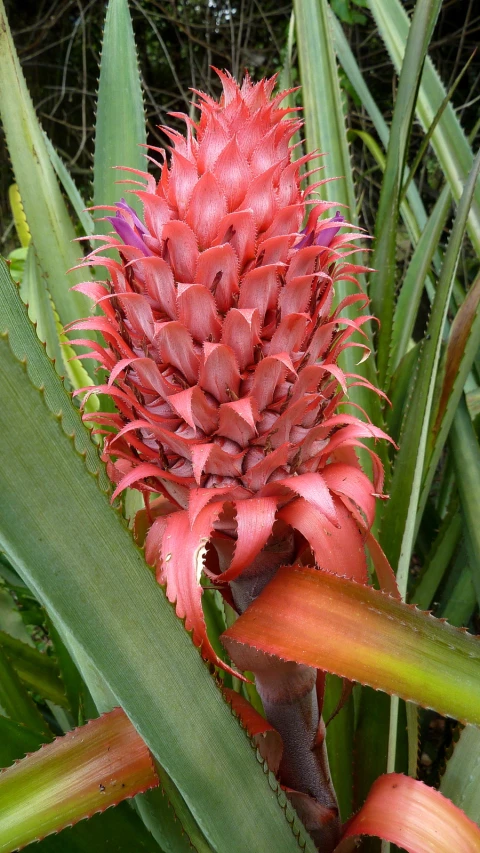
<point x="289" y="696"/>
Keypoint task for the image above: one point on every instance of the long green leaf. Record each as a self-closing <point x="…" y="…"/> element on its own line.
<point x="416" y="222"/>
<point x="400" y="519"/>
<point x="408" y="302"/>
<point x="319" y="619"/>
<point x="382" y="289"/>
<point x="466" y="457"/>
<point x="120" y="125"/>
<point x="322" y="100"/>
<point x="47" y="216"/>
<point x="449" y="141"/>
<point x="40" y="307"/>
<point x="89" y="574"/>
<point x="462" y="348"/>
<point x="71" y="189"/>
<point x="438" y="559"/>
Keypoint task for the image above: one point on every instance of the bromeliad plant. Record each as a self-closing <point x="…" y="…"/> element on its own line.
<point x="234" y="355"/>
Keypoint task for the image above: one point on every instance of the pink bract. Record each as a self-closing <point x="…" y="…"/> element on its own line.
<point x="222" y="348"/>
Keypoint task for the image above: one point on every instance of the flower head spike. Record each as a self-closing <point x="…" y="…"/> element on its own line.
<point x="222" y="347"/>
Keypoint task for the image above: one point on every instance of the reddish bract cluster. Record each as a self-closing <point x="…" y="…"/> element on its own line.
<point x="222" y="349"/>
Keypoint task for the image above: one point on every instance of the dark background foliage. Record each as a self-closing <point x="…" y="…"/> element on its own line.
<point x="59" y="43"/>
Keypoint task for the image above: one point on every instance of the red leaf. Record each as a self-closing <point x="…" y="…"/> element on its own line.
<point x="241" y="332"/>
<point x="181" y="250"/>
<point x="217" y="270"/>
<point x="206" y="208"/>
<point x="198" y="312"/>
<point x="267" y="739"/>
<point x="337" y="548"/>
<point x="313" y="488"/>
<point x="219" y="374"/>
<point x="180" y="567"/>
<point x="255" y="520"/>
<point x="415" y="817"/>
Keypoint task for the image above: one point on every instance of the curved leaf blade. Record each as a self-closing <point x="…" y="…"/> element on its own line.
<point x="417" y="818"/>
<point x="359" y="633"/>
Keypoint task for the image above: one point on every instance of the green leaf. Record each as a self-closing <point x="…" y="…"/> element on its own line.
<point x="322" y="101"/>
<point x="92" y="578"/>
<point x="400" y="394"/>
<point x="449" y="141"/>
<point x="413" y="213"/>
<point x="117" y="830"/>
<point x="16" y="741"/>
<point x="47" y="216"/>
<point x="312" y="617"/>
<point x="340" y="733"/>
<point x="15" y="701"/>
<point x="71" y="189"/>
<point x="75" y="690"/>
<point x="40" y="308"/>
<point x="462" y="600"/>
<point x="382" y="286"/>
<point x="37" y="671"/>
<point x="371" y="742"/>
<point x="466" y="458"/>
<point x="400" y="518"/>
<point x="10" y="619"/>
<point x="408" y="302"/>
<point x="461" y="780"/>
<point x="462" y="348"/>
<point x="120" y="126"/>
<point x="438" y="559"/>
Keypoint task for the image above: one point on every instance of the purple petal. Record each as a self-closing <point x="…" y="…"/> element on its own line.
<point x="122" y="204"/>
<point x="128" y="234"/>
<point x="326" y="235"/>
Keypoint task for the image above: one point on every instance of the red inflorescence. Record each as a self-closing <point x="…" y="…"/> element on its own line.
<point x="222" y="347"/>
